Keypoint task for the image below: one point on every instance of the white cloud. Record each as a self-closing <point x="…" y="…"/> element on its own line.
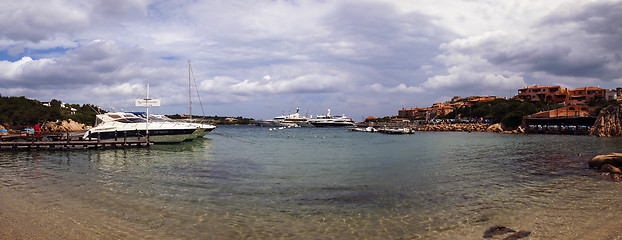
<point x="389" y="52"/>
<point x="39" y="19"/>
<point x="401" y="88"/>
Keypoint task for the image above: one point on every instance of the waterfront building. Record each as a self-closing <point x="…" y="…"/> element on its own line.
<point x="585" y="94"/>
<point x="557" y="94"/>
<point x="443" y="108"/>
<point x="413" y="112"/>
<point x="543" y="93"/>
<point x="568" y="111"/>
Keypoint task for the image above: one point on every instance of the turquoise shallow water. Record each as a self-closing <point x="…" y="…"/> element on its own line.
<point x="249" y="182"/>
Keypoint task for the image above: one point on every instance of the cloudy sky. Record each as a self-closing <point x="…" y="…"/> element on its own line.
<point x="262" y="58"/>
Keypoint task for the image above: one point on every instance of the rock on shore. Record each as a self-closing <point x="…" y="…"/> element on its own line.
<point x="456" y="127"/>
<point x="495" y="128"/>
<point x="608" y="164"/>
<point x="614" y="159"/>
<point x="64" y="126"/>
<point x="465" y="127"/>
<point x="609" y="122"/>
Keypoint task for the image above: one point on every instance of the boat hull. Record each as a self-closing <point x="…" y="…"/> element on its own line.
<point x="333" y="124"/>
<point x="199" y="133"/>
<point x="155" y="136"/>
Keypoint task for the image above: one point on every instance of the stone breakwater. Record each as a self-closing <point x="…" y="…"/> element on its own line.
<point x="465" y="127"/>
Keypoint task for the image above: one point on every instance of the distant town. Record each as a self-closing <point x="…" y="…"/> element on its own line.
<point x="530" y="104"/>
<point x="547" y="94"/>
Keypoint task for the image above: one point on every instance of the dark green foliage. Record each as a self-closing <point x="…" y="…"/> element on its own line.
<point x="216" y="119"/>
<point x="379" y="120"/>
<point x="508" y="112"/>
<point x="20" y="112"/>
<point x="600" y="103"/>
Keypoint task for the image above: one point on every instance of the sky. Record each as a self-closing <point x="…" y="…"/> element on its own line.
<point x="263" y="58"/>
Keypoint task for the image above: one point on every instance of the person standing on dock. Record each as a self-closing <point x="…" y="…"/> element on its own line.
<point x="38" y="129"/>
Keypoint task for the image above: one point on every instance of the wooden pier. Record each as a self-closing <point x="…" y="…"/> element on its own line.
<point x="66" y="142"/>
<point x="559" y="125"/>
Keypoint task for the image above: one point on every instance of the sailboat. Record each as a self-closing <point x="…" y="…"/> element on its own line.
<point x="202" y="129"/>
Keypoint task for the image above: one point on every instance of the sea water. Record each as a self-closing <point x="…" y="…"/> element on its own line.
<point x="314" y="183"/>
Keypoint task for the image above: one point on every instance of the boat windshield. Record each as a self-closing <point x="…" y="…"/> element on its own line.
<point x="126" y="118"/>
<point x="131" y="120"/>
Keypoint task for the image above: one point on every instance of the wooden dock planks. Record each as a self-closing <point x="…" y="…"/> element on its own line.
<point x="72" y="144"/>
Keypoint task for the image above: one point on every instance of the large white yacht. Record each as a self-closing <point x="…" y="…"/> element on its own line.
<point x="290" y="120"/>
<point x="201" y="128"/>
<point x="120" y="125"/>
<point x="331" y="121"/>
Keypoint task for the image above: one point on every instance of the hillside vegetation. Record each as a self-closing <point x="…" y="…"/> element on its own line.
<point x="16" y="112"/>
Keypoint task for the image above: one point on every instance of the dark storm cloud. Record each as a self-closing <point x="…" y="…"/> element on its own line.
<point x="386" y="46"/>
<point x="582" y="43"/>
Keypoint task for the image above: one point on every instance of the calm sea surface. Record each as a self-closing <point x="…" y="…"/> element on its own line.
<point x="249" y="182"/>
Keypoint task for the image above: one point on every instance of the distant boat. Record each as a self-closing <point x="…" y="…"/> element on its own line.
<point x="331" y="121"/>
<point x="291" y="120"/>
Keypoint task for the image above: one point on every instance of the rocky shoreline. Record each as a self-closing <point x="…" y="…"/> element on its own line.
<point x="465" y="127"/>
<point x="609" y="122"/>
<point x="54" y="127"/>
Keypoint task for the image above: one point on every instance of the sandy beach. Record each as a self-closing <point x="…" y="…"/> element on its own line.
<point x="22" y="217"/>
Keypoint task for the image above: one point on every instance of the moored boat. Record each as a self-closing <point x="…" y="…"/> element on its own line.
<point x="121" y="125"/>
<point x="331" y="121"/>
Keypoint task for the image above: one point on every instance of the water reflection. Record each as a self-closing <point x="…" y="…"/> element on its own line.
<point x="317" y="183"/>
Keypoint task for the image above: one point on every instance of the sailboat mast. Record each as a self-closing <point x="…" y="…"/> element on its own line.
<point x="189" y="89"/>
<point x="148" y="99"/>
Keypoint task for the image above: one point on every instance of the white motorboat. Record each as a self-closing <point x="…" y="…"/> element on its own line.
<point x="291" y="120"/>
<point x="331" y="121"/>
<point x="201" y="128"/>
<point x="122" y="125"/>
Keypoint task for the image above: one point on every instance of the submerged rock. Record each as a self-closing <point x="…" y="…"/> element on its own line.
<point x="517" y="235"/>
<point x="614" y="159"/>
<point x="497" y="230"/>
